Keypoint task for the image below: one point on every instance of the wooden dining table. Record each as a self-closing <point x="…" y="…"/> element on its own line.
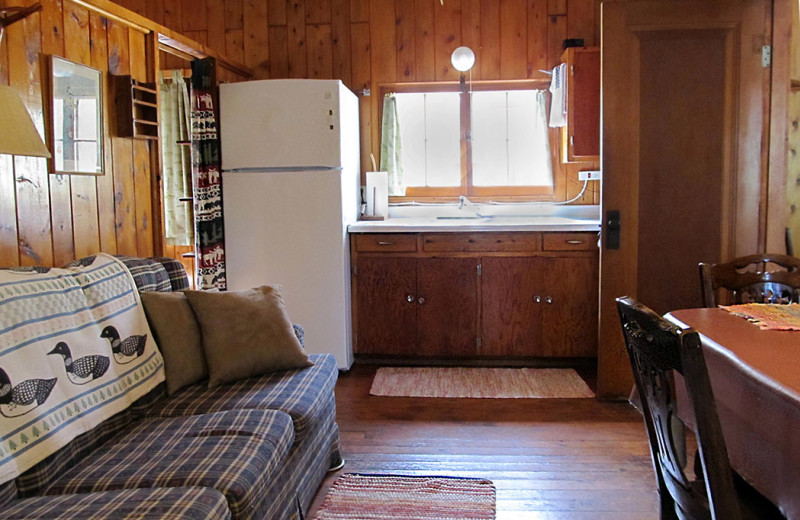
<point x="755" y="376"/>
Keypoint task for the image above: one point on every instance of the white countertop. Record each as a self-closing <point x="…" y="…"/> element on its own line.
<point x="483" y="218"/>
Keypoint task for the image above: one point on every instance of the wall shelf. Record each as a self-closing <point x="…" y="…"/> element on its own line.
<point x="136" y="105"/>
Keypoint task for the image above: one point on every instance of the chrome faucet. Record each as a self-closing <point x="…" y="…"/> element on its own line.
<point x="462" y="200"/>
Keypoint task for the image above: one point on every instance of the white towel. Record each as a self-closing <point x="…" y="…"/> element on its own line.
<point x="558" y="102"/>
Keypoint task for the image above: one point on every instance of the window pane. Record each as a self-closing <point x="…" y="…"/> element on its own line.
<point x="429" y="134"/>
<point x="87" y="152"/>
<point x="509" y="139"/>
<point x="489" y="139"/>
<point x="443" y="149"/>
<point x="86" y="120"/>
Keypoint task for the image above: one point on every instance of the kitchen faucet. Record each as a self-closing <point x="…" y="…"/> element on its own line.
<point x="463" y="200"/>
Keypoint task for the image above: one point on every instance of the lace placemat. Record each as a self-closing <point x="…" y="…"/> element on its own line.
<point x="768" y="316"/>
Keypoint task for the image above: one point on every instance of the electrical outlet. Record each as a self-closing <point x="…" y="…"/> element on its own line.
<point x="589" y="175"/>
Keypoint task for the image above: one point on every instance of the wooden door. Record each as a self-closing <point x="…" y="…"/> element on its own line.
<point x="683" y="91"/>
<point x="386" y="306"/>
<point x="512" y="293"/>
<point x="569" y="311"/>
<point x="447" y="302"/>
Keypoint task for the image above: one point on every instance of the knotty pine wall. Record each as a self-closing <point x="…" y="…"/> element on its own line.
<point x="369" y="42"/>
<point x="793" y="160"/>
<point x="50" y="220"/>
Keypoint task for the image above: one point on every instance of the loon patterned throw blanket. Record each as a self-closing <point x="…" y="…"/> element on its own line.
<point x="75" y="349"/>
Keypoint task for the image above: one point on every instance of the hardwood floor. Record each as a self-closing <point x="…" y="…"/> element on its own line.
<point x="550" y="459"/>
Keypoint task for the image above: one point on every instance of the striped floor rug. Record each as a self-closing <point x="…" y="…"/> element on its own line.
<point x="392" y="497"/>
<point x="523" y="383"/>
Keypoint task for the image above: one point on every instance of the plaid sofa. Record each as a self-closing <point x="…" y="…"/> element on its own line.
<point x="255" y="449"/>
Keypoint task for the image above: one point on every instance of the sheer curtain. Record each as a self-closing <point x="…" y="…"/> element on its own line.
<point x="391" y="146"/>
<point x="176" y="165"/>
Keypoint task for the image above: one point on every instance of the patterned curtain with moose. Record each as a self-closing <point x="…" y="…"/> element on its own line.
<point x="206" y="182"/>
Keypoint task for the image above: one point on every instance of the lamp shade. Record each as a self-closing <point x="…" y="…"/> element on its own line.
<point x="462" y="59"/>
<point x="18" y="135"/>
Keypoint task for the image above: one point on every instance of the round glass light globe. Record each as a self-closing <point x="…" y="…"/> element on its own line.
<point x="462" y="59"/>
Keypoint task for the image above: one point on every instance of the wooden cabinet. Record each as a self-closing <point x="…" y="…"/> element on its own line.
<point x="416" y="306"/>
<point x="475" y="295"/>
<point x="580" y="138"/>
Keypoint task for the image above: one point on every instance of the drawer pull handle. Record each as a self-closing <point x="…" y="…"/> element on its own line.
<point x="575" y="242"/>
<point x="385" y="243"/>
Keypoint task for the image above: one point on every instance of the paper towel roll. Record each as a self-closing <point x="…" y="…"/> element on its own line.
<point x="377" y="194"/>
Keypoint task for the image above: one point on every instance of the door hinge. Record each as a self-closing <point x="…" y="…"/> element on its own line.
<point x="355" y="270"/>
<point x="480" y="269"/>
<point x="766" y="56"/>
<point x="478" y="342"/>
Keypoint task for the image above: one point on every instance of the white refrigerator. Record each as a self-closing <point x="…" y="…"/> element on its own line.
<point x="290" y="184"/>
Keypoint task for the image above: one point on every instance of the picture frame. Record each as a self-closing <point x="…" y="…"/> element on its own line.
<point x="75" y="118"/>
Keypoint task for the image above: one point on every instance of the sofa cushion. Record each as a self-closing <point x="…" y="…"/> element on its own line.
<point x="179" y="503"/>
<point x="245" y="333"/>
<point x="234" y="452"/>
<point x="8" y="492"/>
<point x="178" y="337"/>
<point x="303" y="394"/>
<point x="42" y="474"/>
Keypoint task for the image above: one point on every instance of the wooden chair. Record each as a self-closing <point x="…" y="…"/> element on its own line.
<point x="657" y="350"/>
<point x="749" y="279"/>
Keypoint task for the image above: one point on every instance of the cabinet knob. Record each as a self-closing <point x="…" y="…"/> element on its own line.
<point x="421" y="300"/>
<point x="537" y="299"/>
<point x="385" y="243"/>
<point x="548" y="300"/>
<point x="410" y="298"/>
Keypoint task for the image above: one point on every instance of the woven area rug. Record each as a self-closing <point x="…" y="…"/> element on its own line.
<point x="522" y="383"/>
<point x="391" y="497"/>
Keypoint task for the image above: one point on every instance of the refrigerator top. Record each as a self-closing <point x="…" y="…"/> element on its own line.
<point x="285" y="123"/>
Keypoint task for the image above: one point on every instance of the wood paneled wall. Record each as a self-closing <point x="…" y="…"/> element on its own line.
<point x="53" y="219"/>
<point x="793" y="159"/>
<point x="369" y="42"/>
<point x="49" y="220"/>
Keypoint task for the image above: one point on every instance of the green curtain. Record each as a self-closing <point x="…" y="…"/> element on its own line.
<point x="391" y="146"/>
<point x="176" y="163"/>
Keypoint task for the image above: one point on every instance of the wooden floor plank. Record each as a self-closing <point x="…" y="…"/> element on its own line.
<point x="550" y="459"/>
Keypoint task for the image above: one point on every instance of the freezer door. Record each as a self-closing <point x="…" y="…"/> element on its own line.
<point x="280" y="124"/>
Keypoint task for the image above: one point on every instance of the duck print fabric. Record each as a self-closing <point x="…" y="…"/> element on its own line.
<point x="75" y="349"/>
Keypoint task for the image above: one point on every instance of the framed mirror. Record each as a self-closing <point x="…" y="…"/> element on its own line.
<point x="75" y="125"/>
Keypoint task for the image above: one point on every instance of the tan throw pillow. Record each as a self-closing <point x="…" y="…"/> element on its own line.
<point x="178" y="337"/>
<point x="246" y="333"/>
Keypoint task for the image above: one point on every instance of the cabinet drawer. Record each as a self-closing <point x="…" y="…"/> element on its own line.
<point x="385" y="242"/>
<point x="484" y="242"/>
<point x="570" y="241"/>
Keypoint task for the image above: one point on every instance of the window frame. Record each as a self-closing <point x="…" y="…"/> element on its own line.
<point x="466" y="187"/>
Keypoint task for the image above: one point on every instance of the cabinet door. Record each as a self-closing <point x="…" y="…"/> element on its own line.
<point x="447" y="301"/>
<point x="581" y="135"/>
<point x="569" y="310"/>
<point x="386" y="321"/>
<point x="511" y="316"/>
